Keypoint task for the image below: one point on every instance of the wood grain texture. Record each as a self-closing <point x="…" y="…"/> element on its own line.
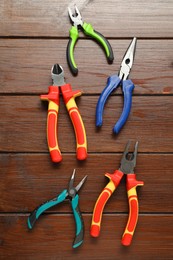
<point x="34" y="36"/>
<point x="28" y="70"/>
<point x="53" y="235"/>
<point x="32" y="179"/>
<point x="23" y="124"/>
<point x="112" y="18"/>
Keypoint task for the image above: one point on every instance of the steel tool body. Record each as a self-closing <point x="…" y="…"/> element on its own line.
<point x="53" y="97"/>
<point x="128" y="163"/>
<point x="113" y="83"/>
<point x="87" y="28"/>
<point x="69" y="194"/>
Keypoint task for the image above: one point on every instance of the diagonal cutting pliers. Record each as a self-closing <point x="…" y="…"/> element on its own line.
<point x="128" y="163"/>
<point x="53" y="97"/>
<point x="114" y="82"/>
<point x="87" y="28"/>
<point x="69" y="194"/>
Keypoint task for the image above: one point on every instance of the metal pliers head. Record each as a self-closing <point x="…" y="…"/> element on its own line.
<point x="72" y="191"/>
<point x="75" y="17"/>
<point x="57" y="74"/>
<point x="127" y="61"/>
<point x="128" y="161"/>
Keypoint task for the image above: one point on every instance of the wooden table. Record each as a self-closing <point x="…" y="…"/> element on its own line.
<point x="34" y="36"/>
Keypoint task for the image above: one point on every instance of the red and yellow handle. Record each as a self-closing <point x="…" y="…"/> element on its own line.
<point x="115" y="179"/>
<point x="53" y="98"/>
<point x="132" y="183"/>
<point x="69" y="99"/>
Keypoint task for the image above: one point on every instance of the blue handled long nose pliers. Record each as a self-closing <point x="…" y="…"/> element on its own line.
<point x="70" y="194"/>
<point x="127" y="87"/>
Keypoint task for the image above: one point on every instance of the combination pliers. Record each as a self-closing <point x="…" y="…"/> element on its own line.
<point x="128" y="163"/>
<point x="69" y="194"/>
<point x="114" y="82"/>
<point x="53" y="97"/>
<point x="87" y="28"/>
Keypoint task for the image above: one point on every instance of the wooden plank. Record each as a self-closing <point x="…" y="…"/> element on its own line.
<point x="31" y="179"/>
<point x="23" y="124"/>
<point x="49" y="18"/>
<point x="26" y="65"/>
<point x="52" y="238"/>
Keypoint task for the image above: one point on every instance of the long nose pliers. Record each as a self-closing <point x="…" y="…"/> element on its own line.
<point x="69" y="194"/>
<point x="128" y="163"/>
<point x="87" y="28"/>
<point x="114" y="82"/>
<point x="53" y="97"/>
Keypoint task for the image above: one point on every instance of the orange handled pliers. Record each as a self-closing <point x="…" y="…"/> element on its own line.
<point x="128" y="164"/>
<point x="69" y="96"/>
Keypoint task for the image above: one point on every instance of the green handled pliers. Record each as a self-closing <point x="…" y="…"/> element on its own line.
<point x="87" y="28"/>
<point x="70" y="194"/>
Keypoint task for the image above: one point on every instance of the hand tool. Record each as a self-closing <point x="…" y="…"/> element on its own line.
<point x="114" y="82"/>
<point x="87" y="28"/>
<point x="69" y="194"/>
<point x="128" y="163"/>
<point x="69" y="96"/>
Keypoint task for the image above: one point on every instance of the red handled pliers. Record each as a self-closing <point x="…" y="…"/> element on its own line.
<point x="53" y="97"/>
<point x="128" y="163"/>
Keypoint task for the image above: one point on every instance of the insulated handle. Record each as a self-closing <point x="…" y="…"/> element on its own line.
<point x="53" y="98"/>
<point x="81" y="140"/>
<point x="115" y="179"/>
<point x="132" y="183"/>
<point x="70" y="49"/>
<point x="112" y="83"/>
<point x="79" y="222"/>
<point x="88" y="30"/>
<point x="128" y="87"/>
<point x="46" y="205"/>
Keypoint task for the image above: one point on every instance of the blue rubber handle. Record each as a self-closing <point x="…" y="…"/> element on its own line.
<point x="128" y="87"/>
<point x="79" y="222"/>
<point x="46" y="205"/>
<point x="112" y="83"/>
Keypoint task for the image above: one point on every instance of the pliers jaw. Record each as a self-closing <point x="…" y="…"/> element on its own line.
<point x="128" y="161"/>
<point x="127" y="61"/>
<point x="72" y="191"/>
<point x="75" y="17"/>
<point x="57" y="74"/>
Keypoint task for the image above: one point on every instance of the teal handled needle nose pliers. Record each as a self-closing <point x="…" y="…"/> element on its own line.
<point x="114" y="82"/>
<point x="70" y="194"/>
<point x="87" y="28"/>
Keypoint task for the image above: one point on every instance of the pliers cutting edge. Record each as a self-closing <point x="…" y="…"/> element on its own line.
<point x="70" y="194"/>
<point x="69" y="96"/>
<point x="114" y="82"/>
<point x="128" y="163"/>
<point x="87" y="28"/>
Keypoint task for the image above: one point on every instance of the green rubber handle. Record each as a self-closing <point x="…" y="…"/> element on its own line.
<point x="88" y="30"/>
<point x="70" y="49"/>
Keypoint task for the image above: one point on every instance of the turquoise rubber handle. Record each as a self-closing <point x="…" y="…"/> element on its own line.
<point x="43" y="207"/>
<point x="79" y="222"/>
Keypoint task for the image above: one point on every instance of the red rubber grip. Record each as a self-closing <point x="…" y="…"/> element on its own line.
<point x="69" y="99"/>
<point x="80" y="134"/>
<point x="53" y="98"/>
<point x="132" y="183"/>
<point x="98" y="210"/>
<point x="52" y="136"/>
<point x="132" y="221"/>
<point x="115" y="179"/>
